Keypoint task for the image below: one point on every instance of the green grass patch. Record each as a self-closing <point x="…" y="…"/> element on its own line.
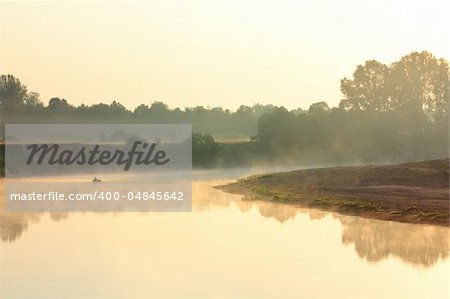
<point x="360" y="205"/>
<point x="250" y="198"/>
<point x="325" y="201"/>
<point x="275" y="195"/>
<point x="353" y="204"/>
<point x="265" y="191"/>
<point x="432" y="215"/>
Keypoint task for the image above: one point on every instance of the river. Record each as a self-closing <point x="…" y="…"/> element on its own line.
<point x="225" y="248"/>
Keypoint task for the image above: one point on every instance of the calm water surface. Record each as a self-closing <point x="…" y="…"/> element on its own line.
<point x="225" y="248"/>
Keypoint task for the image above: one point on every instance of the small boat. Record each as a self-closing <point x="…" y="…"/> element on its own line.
<point x="95" y="180"/>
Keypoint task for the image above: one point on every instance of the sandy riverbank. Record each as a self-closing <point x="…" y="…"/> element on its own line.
<point x="411" y="192"/>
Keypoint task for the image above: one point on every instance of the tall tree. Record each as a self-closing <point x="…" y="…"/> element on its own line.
<point x="12" y="94"/>
<point x="367" y="90"/>
<point x="419" y="81"/>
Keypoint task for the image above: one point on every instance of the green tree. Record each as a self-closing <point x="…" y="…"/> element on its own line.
<point x="318" y="108"/>
<point x="277" y="129"/>
<point x="13" y="94"/>
<point x="419" y="81"/>
<point x="366" y="91"/>
<point x="204" y="150"/>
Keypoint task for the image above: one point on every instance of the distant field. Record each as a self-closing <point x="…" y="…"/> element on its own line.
<point x="231" y="138"/>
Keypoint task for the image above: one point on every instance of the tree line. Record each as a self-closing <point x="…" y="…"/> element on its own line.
<point x="18" y="105"/>
<point x="394" y="112"/>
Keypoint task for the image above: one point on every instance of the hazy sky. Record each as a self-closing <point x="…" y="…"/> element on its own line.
<point x="205" y="53"/>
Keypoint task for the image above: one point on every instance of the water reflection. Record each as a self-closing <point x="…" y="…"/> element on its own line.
<point x="373" y="240"/>
<point x="13" y="224"/>
<point x="376" y="240"/>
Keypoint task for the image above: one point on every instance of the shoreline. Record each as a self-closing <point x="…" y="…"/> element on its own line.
<point x="415" y="192"/>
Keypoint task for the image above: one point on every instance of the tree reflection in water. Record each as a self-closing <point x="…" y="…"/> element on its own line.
<point x="12" y="225"/>
<point x="373" y="240"/>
